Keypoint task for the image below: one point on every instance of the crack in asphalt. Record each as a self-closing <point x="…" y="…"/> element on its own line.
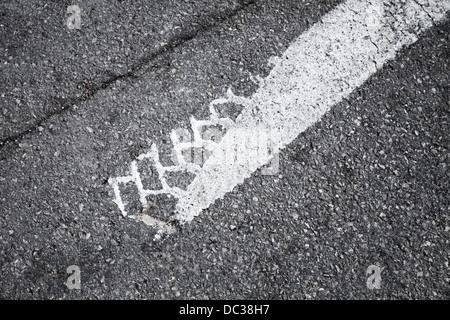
<point x="205" y="24"/>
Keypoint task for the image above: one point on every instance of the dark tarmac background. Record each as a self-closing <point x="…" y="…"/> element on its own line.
<point x="367" y="185"/>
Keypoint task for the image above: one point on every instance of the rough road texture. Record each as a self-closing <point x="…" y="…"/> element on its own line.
<point x="366" y="185"/>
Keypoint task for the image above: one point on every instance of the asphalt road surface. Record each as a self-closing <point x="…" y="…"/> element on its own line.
<point x="358" y="207"/>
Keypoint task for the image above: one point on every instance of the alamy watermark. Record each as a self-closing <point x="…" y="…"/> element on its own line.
<point x="240" y="148"/>
<point x="374" y="16"/>
<point x="74" y="19"/>
<point x="374" y="279"/>
<point x="74" y="281"/>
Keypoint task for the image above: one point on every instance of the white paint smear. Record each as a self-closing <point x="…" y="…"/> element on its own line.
<point x="319" y="69"/>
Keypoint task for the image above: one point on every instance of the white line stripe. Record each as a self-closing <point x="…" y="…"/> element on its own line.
<point x="322" y="67"/>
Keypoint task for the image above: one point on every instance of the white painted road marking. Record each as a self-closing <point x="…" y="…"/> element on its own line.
<point x="320" y="68"/>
